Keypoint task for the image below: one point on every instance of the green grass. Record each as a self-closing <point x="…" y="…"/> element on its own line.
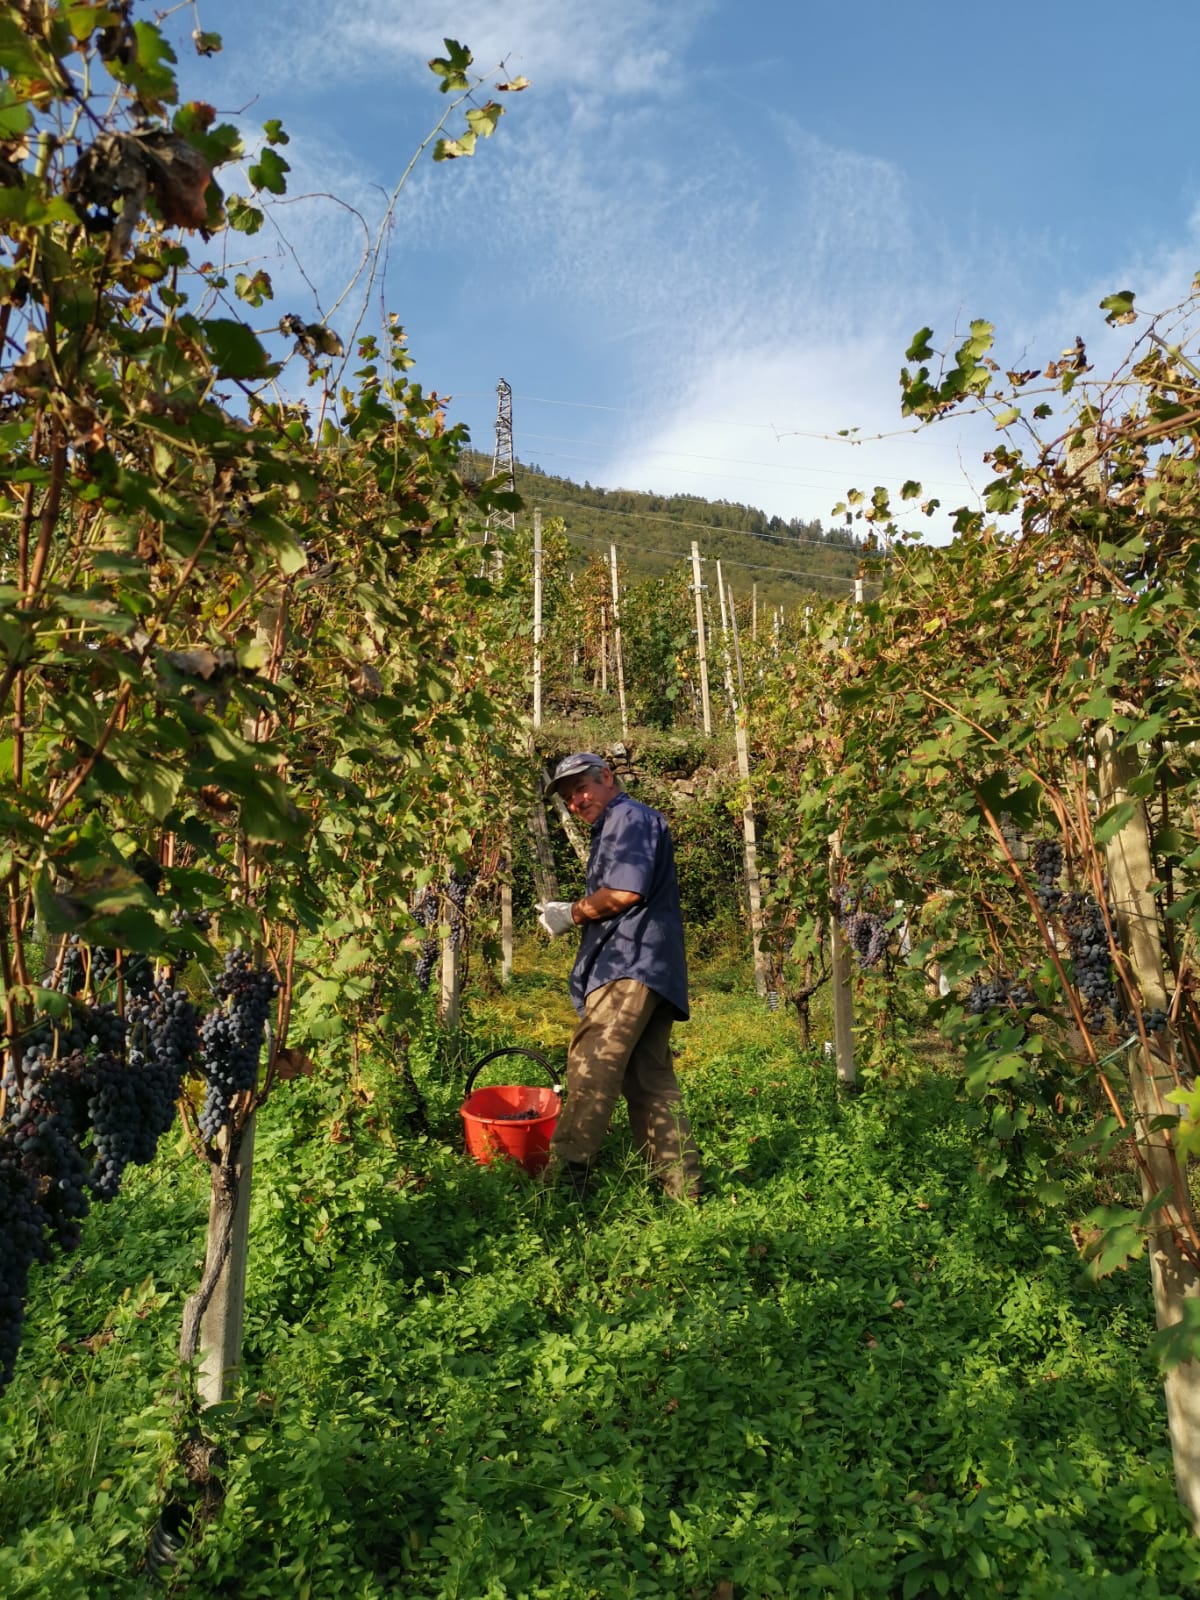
<point x="855" y="1370"/>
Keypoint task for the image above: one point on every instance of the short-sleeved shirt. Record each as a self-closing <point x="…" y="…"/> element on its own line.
<point x="632" y="850"/>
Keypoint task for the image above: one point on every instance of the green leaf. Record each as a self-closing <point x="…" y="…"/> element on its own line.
<point x="268" y="172"/>
<point x="149" y="74"/>
<point x="452" y="67"/>
<point x="482" y="120"/>
<point x="1114" y="819"/>
<point x="274" y="132"/>
<point x="28" y="206"/>
<point x="235" y="350"/>
<point x="242" y="216"/>
<point x="1002" y="496"/>
<point x="920" y="349"/>
<point x="451" y="149"/>
<point x="16" y="55"/>
<point x="156" y="787"/>
<point x="281" y="542"/>
<point x="253" y="290"/>
<point x="1119" y="307"/>
<point x="1121" y="1239"/>
<point x="15" y="115"/>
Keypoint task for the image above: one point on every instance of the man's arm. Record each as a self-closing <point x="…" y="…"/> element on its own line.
<point x="604" y="903"/>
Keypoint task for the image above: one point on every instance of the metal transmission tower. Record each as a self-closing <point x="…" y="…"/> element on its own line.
<point x="502" y="465"/>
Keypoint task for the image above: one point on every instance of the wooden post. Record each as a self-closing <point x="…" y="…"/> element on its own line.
<point x="221" y="1321"/>
<point x="1175" y="1279"/>
<point x="843" y="993"/>
<point x="451" y="985"/>
<point x="616" y="599"/>
<point x="754" y="612"/>
<point x="750" y="850"/>
<point x="749" y="831"/>
<point x="701" y="643"/>
<point x="721" y="596"/>
<point x="506" y="922"/>
<point x="576" y="631"/>
<point x="603" y="648"/>
<point x="737" y="648"/>
<point x="537" y="619"/>
<point x="545" y="875"/>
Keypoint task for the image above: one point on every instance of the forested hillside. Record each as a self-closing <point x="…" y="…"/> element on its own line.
<point x="653" y="533"/>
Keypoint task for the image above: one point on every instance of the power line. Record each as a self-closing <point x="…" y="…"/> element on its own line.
<point x="846" y="437"/>
<point x="691" y="472"/>
<point x="782" y="466"/>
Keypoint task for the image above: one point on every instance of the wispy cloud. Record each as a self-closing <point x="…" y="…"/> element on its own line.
<point x="623" y="47"/>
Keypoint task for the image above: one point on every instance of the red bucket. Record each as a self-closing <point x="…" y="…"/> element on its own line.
<point x="511" y="1120"/>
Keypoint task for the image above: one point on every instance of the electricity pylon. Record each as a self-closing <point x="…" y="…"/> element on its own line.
<point x="502" y="466"/>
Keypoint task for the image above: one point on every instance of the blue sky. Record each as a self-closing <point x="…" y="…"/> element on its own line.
<point x="701" y="240"/>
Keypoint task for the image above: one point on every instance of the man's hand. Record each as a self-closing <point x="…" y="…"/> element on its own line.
<point x="555" y="916"/>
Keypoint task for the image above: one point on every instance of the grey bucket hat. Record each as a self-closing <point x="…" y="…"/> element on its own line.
<point x="571" y="766"/>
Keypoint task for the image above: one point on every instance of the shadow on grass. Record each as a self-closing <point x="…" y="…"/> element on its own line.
<point x="855" y="1370"/>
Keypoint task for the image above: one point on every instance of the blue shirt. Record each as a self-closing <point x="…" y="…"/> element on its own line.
<point x="632" y="850"/>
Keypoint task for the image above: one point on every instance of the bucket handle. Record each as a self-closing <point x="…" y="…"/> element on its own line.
<point x="515" y="1050"/>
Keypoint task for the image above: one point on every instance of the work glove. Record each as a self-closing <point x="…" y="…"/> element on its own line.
<point x="555" y="916"/>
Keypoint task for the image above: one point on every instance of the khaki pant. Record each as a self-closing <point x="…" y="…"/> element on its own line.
<point x="622" y="1046"/>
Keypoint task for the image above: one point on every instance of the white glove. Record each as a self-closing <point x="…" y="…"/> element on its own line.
<point x="555" y="916"/>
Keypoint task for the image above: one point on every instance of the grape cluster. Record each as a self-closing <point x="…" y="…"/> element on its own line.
<point x="458" y="892"/>
<point x="20" y="1246"/>
<point x="46" y="1121"/>
<point x="103" y="969"/>
<point x="132" y="1105"/>
<point x="425" y="915"/>
<point x="81" y="968"/>
<point x="93" y="1093"/>
<point x="72" y="969"/>
<point x="231" y="1038"/>
<point x="997" y="994"/>
<point x="1086" y="928"/>
<point x="200" y="920"/>
<point x="864" y="931"/>
<point x="426" y="962"/>
<point x="1048" y="866"/>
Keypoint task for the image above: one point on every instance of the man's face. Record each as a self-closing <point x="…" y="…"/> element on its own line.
<point x="586" y="796"/>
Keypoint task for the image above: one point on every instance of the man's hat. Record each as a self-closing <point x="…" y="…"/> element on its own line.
<point x="571" y="766"/>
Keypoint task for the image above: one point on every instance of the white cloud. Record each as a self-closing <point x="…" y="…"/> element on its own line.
<point x="620" y="47"/>
<point x="759" y="427"/>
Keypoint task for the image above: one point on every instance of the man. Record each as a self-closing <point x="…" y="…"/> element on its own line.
<point x="629" y="982"/>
